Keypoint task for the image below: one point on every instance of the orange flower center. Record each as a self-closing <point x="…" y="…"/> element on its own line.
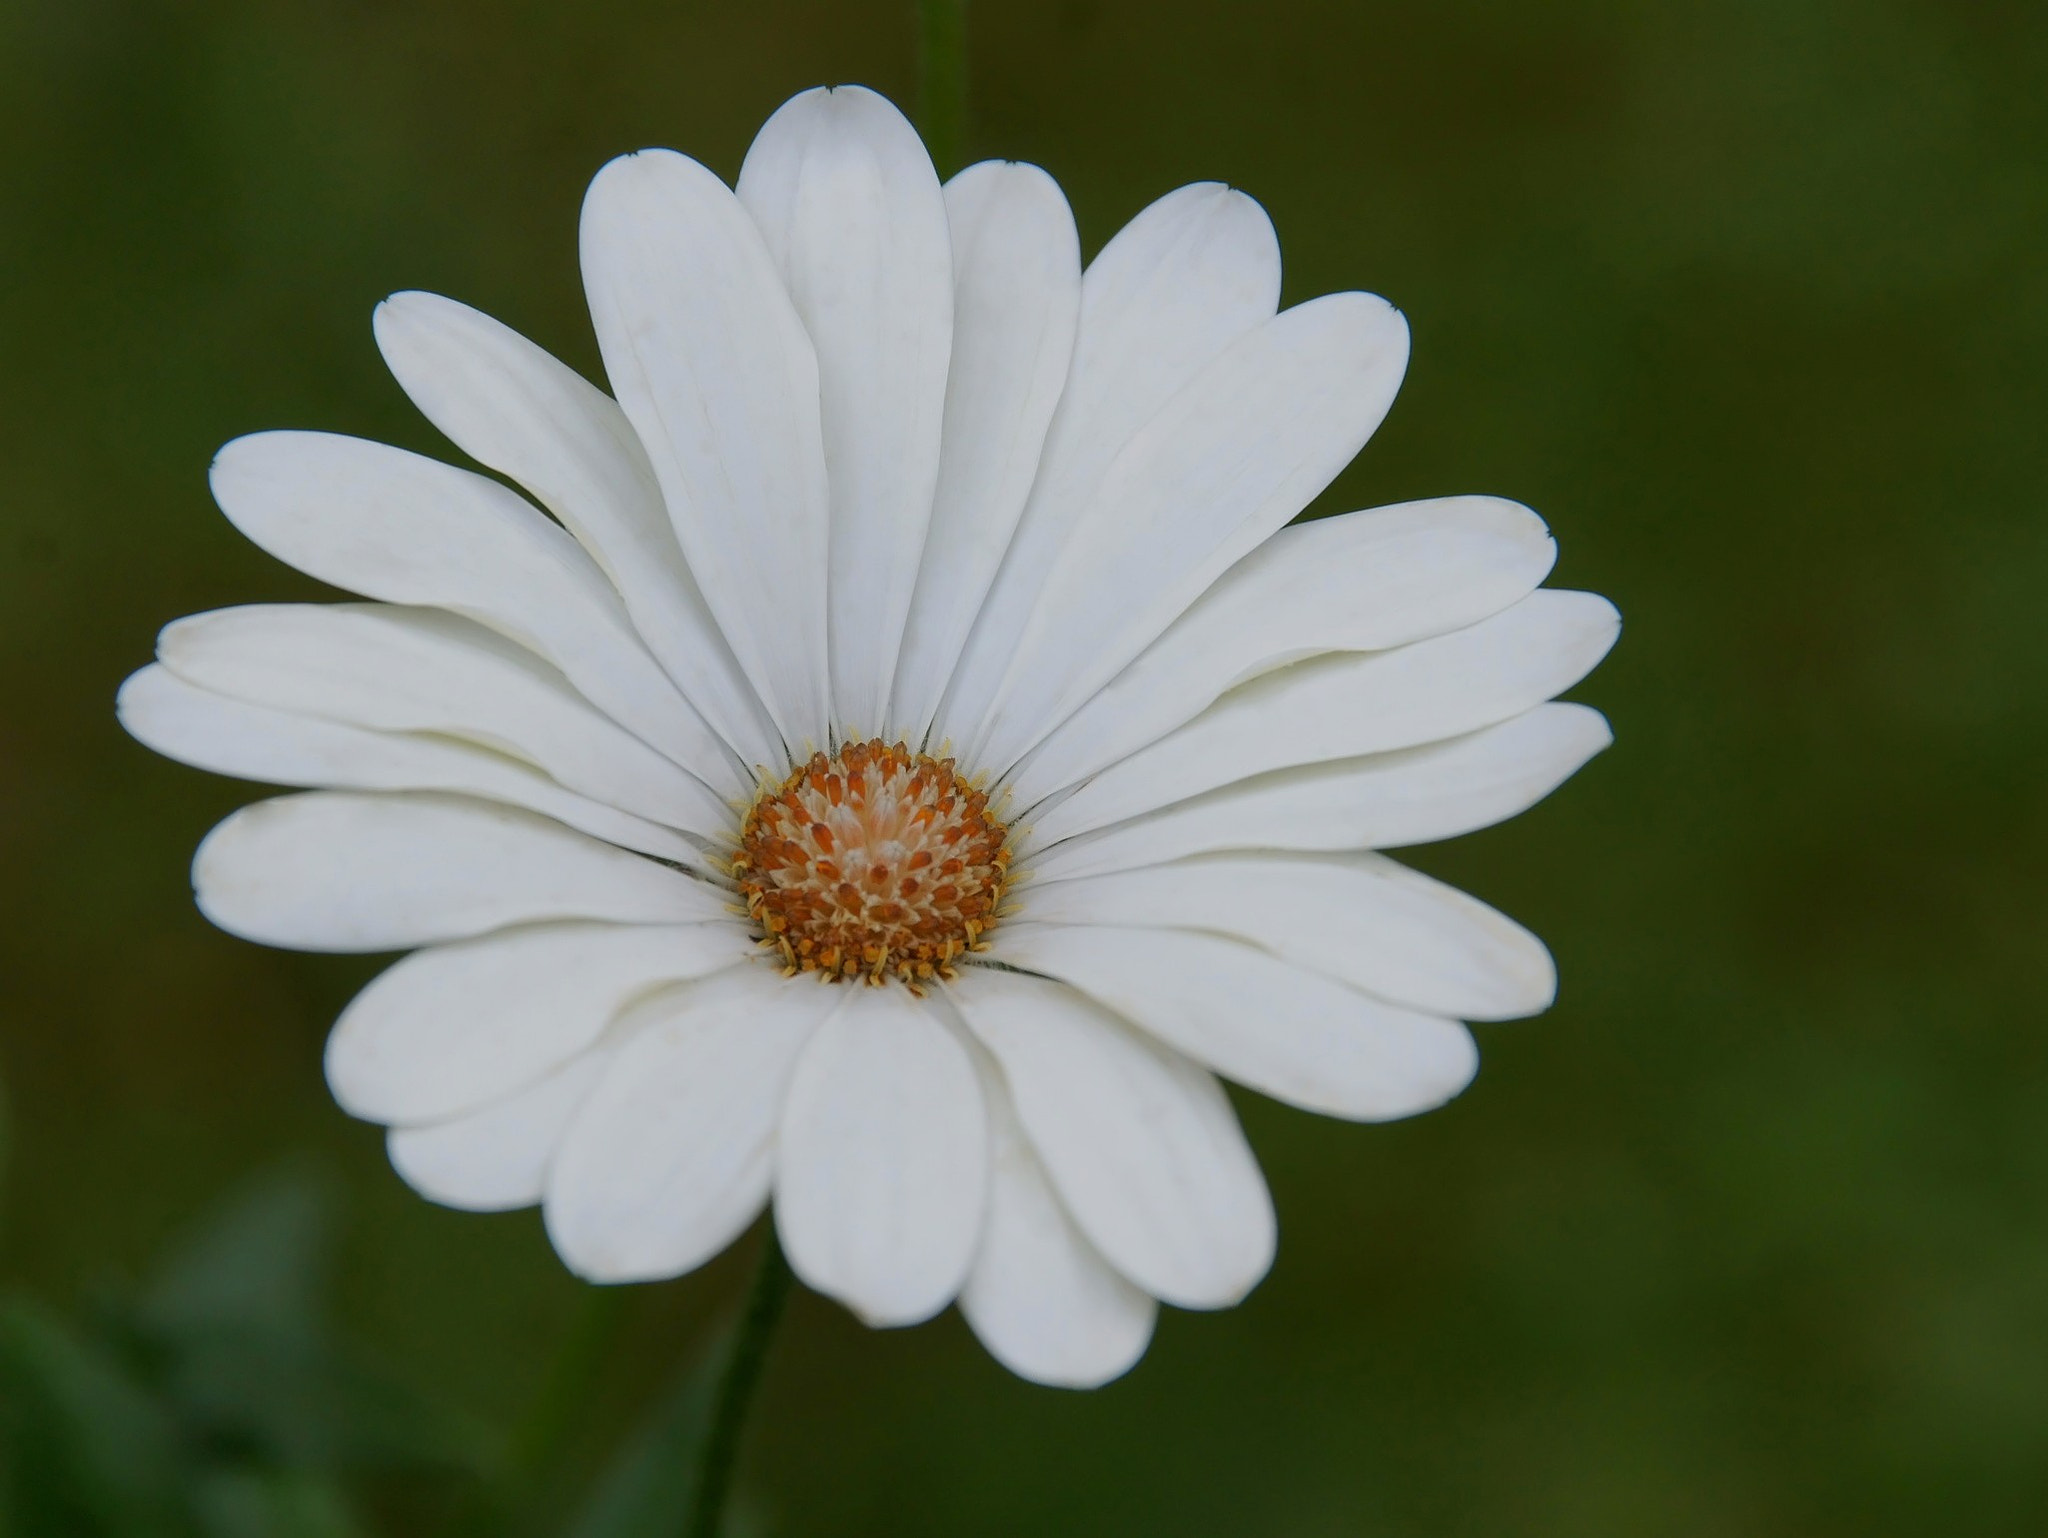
<point x="872" y="861"/>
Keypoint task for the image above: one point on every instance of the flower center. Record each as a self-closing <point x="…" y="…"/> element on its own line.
<point x="871" y="861"/>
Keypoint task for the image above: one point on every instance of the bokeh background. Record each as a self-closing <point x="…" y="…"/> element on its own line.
<point x="1748" y="1235"/>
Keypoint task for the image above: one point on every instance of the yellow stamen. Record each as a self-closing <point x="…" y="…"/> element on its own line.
<point x="873" y="862"/>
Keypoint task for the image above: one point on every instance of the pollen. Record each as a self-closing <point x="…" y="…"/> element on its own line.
<point x="873" y="862"/>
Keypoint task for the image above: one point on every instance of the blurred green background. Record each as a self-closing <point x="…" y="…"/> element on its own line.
<point x="1749" y="1235"/>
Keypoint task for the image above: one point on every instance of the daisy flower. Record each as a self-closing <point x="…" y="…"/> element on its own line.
<point x="892" y="755"/>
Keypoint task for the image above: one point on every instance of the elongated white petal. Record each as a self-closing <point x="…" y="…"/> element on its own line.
<point x="341" y="871"/>
<point x="256" y="742"/>
<point x="849" y="206"/>
<point x="399" y="669"/>
<point x="882" y="1165"/>
<point x="1271" y="1026"/>
<point x="1243" y="448"/>
<point x="405" y="529"/>
<point x="671" y="1158"/>
<point x="1363" y="581"/>
<point x="1360" y="918"/>
<point x="496" y="1158"/>
<point x="1353" y="703"/>
<point x="1040" y="1297"/>
<point x="1016" y="300"/>
<point x="1382" y="802"/>
<point x="711" y="365"/>
<point x="510" y="405"/>
<point x="455" y="1027"/>
<point x="1140" y="1143"/>
<point x="1175" y="287"/>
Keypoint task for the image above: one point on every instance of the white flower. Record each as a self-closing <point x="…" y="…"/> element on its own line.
<point x="885" y="475"/>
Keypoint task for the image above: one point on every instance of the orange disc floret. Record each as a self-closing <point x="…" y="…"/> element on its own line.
<point x="873" y="862"/>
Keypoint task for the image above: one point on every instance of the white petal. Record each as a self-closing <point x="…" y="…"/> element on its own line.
<point x="669" y="1161"/>
<point x="1236" y="454"/>
<point x="1016" y="299"/>
<point x="712" y="367"/>
<point x="1040" y="1297"/>
<point x="1363" y="581"/>
<point x="455" y="1027"/>
<point x="1382" y="802"/>
<point x="1292" y="1034"/>
<point x="496" y="1159"/>
<point x="1349" y="704"/>
<point x="1359" y="918"/>
<point x="405" y="529"/>
<point x="339" y="871"/>
<point x="1141" y="1144"/>
<point x="849" y="206"/>
<point x="882" y="1168"/>
<point x="255" y="742"/>
<point x="1175" y="287"/>
<point x="398" y="669"/>
<point x="510" y="405"/>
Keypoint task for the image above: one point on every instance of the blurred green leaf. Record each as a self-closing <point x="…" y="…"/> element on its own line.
<point x="647" y="1489"/>
<point x="237" y="1319"/>
<point x="254" y="1264"/>
<point x="274" y="1505"/>
<point x="217" y="1402"/>
<point x="88" y="1450"/>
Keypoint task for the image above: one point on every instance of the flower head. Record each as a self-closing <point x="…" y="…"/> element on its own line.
<point x="915" y="759"/>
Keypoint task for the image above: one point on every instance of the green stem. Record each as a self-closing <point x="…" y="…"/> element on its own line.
<point x="736" y="1386"/>
<point x="942" y="80"/>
